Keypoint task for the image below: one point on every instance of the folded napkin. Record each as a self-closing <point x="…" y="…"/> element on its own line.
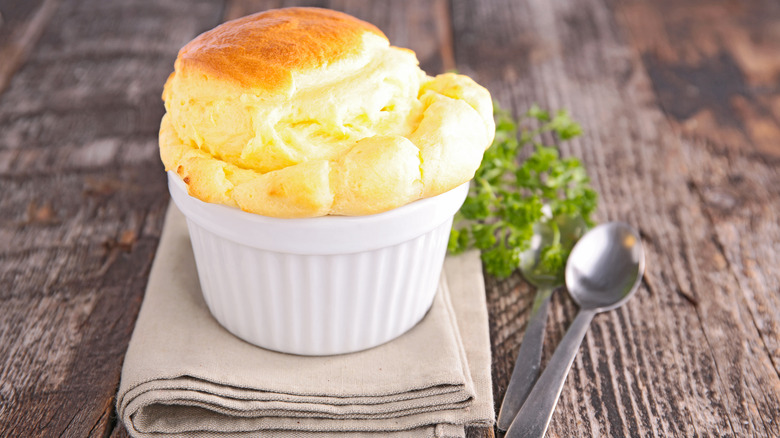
<point x="184" y="375"/>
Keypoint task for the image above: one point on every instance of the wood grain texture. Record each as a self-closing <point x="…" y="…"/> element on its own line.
<point x="21" y="24"/>
<point x="729" y="120"/>
<point x="714" y="67"/>
<point x="680" y="102"/>
<point x="83" y="194"/>
<point x="695" y="353"/>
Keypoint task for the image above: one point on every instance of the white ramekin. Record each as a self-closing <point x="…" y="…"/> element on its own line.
<point x="319" y="286"/>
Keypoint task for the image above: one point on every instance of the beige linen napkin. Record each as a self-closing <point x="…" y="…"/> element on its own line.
<point x="184" y="375"/>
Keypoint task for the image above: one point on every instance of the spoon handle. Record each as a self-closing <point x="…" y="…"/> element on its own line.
<point x="535" y="415"/>
<point x="528" y="361"/>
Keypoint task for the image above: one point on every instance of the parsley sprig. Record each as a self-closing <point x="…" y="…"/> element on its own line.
<point x="508" y="197"/>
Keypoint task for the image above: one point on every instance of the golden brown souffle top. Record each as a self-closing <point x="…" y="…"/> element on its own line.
<point x="304" y="112"/>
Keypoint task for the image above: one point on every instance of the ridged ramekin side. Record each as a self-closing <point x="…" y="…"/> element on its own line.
<point x="318" y="304"/>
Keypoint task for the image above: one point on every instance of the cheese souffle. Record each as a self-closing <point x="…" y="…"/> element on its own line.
<point x="305" y="112"/>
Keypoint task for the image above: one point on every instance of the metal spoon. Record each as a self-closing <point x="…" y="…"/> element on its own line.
<point x="566" y="230"/>
<point x="603" y="271"/>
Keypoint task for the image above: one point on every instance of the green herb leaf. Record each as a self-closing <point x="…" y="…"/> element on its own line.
<point x="506" y="197"/>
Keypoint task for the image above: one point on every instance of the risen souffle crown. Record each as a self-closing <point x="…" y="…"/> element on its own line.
<point x="304" y="112"/>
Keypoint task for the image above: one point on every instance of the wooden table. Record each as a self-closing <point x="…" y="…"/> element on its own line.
<point x="680" y="103"/>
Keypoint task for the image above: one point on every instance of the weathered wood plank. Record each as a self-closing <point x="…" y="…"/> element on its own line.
<point x="714" y="67"/>
<point x="21" y="24"/>
<point x="730" y="127"/>
<point x="81" y="206"/>
<point x="668" y="363"/>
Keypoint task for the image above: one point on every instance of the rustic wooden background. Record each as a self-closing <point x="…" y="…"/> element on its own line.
<point x="680" y="103"/>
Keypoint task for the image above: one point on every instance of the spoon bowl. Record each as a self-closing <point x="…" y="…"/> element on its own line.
<point x="604" y="269"/>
